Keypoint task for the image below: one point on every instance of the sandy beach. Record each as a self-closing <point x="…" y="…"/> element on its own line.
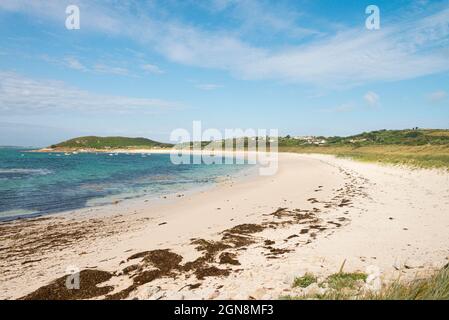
<point x="241" y="239"/>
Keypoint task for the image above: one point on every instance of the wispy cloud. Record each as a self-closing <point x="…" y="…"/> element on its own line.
<point x="412" y="47"/>
<point x="208" y="86"/>
<point x="74" y="63"/>
<point x="268" y="17"/>
<point x="105" y="69"/>
<point x="97" y="15"/>
<point x="437" y="96"/>
<point x="19" y="94"/>
<point x="372" y="99"/>
<point x="151" y="68"/>
<point x="343" y="108"/>
<point x="348" y="58"/>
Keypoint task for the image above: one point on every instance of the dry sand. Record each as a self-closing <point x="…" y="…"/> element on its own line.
<point x="241" y="239"/>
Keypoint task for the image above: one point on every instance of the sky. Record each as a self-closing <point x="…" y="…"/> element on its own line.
<point x="144" y="68"/>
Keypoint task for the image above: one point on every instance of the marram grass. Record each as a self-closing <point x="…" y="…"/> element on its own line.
<point x="433" y="156"/>
<point x="434" y="287"/>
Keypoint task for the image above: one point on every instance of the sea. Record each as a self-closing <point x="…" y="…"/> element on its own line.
<point x="35" y="183"/>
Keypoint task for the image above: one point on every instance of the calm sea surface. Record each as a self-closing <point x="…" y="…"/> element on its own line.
<point x="38" y="183"/>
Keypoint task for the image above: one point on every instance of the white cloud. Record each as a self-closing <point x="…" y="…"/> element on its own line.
<point x="348" y="58"/>
<point x="372" y="98"/>
<point x="105" y="69"/>
<point x="343" y="108"/>
<point x="151" y="68"/>
<point x="208" y="86"/>
<point x="414" y="47"/>
<point x="94" y="14"/>
<point x="438" y="96"/>
<point x="264" y="17"/>
<point x="74" y="63"/>
<point x="19" y="94"/>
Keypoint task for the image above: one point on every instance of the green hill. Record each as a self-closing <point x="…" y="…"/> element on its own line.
<point x="93" y="142"/>
<point x="414" y="137"/>
<point x="408" y="137"/>
<point x="415" y="147"/>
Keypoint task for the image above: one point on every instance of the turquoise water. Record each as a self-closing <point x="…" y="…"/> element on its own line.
<point x="33" y="184"/>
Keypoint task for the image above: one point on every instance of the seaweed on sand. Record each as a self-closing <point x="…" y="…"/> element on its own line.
<point x="89" y="280"/>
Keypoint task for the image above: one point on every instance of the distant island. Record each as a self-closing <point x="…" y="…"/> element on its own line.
<point x="94" y="143"/>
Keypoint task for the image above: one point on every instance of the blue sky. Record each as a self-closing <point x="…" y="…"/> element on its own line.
<point x="144" y="68"/>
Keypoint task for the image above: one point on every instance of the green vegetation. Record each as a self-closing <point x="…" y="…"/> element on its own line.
<point x="413" y="156"/>
<point x="93" y="142"/>
<point x="304" y="281"/>
<point x="414" y="137"/>
<point x="435" y="287"/>
<point x="344" y="287"/>
<point x="423" y="148"/>
<point x="338" y="281"/>
<point x="236" y="144"/>
<point x="409" y="137"/>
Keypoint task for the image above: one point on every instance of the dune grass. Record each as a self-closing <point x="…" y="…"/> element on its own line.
<point x="338" y="281"/>
<point x="342" y="287"/>
<point x="427" y="156"/>
<point x="435" y="287"/>
<point x="304" y="281"/>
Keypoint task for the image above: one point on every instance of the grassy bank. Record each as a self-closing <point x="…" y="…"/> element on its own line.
<point x="423" y="148"/>
<point x="434" y="287"/>
<point x="426" y="156"/>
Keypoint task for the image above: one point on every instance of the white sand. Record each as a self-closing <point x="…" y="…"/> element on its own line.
<point x="397" y="219"/>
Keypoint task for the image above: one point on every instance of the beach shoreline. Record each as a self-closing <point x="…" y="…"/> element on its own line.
<point x="361" y="213"/>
